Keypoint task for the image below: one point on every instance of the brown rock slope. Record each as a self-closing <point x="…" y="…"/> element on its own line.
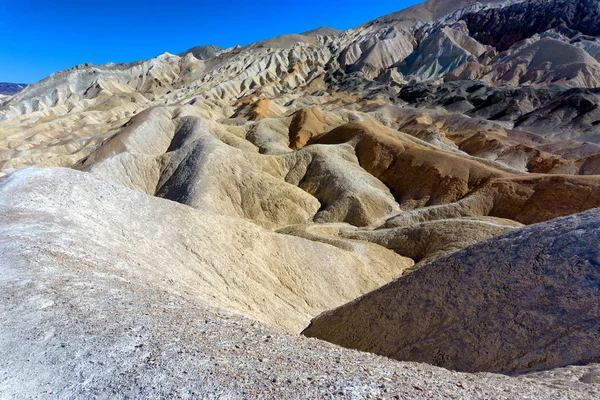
<point x="419" y="174"/>
<point x="517" y="149"/>
<point x="306" y="123"/>
<point x="426" y="241"/>
<point x="523" y="301"/>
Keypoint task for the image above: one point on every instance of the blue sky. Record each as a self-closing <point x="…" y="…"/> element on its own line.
<point x="38" y="37"/>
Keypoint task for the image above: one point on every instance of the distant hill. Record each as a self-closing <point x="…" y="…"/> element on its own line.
<point x="322" y="31"/>
<point x="203" y="52"/>
<point x="10" y="88"/>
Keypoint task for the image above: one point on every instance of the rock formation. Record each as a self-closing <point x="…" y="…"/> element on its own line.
<point x="188" y="215"/>
<point x="116" y="299"/>
<point x="523" y="301"/>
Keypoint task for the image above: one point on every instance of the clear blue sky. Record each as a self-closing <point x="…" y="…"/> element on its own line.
<point x="38" y="37"/>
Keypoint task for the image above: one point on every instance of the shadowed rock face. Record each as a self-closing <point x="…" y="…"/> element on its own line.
<point x="503" y="27"/>
<point x="553" y="112"/>
<point x="575" y="113"/>
<point x="480" y="99"/>
<point x="288" y="177"/>
<point x="524" y="301"/>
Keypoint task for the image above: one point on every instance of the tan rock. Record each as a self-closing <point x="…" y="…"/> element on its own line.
<point x="281" y="280"/>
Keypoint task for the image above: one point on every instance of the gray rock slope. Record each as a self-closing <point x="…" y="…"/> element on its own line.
<point x="523" y="301"/>
<point x="86" y="325"/>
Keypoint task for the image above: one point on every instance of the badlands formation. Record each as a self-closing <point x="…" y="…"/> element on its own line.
<point x="406" y="209"/>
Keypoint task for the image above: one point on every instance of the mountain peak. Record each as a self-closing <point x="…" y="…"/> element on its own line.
<point x="322" y="31"/>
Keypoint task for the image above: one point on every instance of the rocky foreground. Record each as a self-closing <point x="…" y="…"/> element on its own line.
<point x="90" y="310"/>
<point x="423" y="188"/>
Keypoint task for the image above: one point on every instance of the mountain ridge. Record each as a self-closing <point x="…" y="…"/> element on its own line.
<point x="10" y="88"/>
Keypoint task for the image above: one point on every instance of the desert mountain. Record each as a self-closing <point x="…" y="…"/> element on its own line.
<point x="322" y="31"/>
<point x="203" y="52"/>
<point x="7" y="89"/>
<point x="422" y="187"/>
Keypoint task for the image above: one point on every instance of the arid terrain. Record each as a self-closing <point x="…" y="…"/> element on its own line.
<point x="406" y="209"/>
